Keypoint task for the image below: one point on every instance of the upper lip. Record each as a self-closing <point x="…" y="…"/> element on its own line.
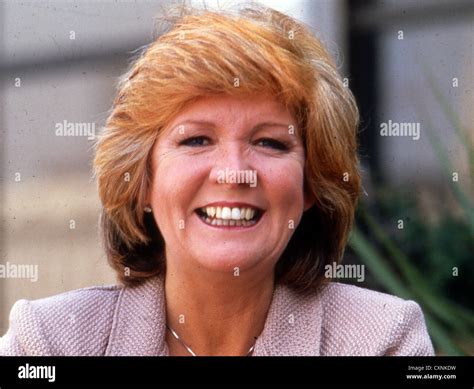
<point x="231" y="204"/>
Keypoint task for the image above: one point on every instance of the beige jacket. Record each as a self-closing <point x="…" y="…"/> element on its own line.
<point x="341" y="320"/>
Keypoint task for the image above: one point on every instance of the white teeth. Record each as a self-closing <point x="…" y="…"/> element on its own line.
<point x="249" y="213"/>
<point x="236" y="215"/>
<point x="211" y="211"/>
<point x="226" y="213"/>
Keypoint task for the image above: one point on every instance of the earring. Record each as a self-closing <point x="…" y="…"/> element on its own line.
<point x="147" y="209"/>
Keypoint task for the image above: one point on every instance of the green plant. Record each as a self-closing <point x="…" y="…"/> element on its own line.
<point x="425" y="269"/>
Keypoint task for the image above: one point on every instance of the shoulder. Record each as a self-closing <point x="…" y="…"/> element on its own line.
<point x="72" y="323"/>
<point x="358" y="321"/>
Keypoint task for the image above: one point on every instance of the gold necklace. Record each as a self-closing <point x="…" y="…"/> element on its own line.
<point x="173" y="332"/>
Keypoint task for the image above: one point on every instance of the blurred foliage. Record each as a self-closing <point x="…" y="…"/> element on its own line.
<point x="419" y="262"/>
<point x="436" y="247"/>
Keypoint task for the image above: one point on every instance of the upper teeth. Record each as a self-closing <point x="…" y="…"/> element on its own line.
<point x="228" y="213"/>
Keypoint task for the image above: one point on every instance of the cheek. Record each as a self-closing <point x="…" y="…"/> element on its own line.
<point x="168" y="199"/>
<point x="283" y="182"/>
<point x="175" y="179"/>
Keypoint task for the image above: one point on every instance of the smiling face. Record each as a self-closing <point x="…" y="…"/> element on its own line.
<point x="227" y="186"/>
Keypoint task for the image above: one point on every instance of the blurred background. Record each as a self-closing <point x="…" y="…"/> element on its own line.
<point x="406" y="61"/>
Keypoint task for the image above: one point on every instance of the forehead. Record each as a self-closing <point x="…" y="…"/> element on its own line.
<point x="223" y="110"/>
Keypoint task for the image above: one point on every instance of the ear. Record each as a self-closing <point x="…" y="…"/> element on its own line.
<point x="148" y="187"/>
<point x="148" y="199"/>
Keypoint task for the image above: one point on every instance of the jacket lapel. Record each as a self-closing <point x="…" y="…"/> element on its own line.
<point x="139" y="324"/>
<point x="292" y="327"/>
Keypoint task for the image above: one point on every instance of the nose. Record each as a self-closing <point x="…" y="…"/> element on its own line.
<point x="232" y="162"/>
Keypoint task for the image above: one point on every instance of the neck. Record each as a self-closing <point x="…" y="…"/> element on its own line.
<point x="215" y="314"/>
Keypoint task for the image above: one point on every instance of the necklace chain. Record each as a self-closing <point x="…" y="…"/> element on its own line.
<point x="173" y="332"/>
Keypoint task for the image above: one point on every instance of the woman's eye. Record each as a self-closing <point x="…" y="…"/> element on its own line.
<point x="272" y="143"/>
<point x="195" y="141"/>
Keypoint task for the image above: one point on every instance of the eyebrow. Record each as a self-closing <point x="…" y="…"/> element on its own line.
<point x="213" y="125"/>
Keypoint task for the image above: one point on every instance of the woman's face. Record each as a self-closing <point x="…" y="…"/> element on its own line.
<point x="227" y="188"/>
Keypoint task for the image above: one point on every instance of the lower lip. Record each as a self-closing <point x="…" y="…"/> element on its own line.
<point x="231" y="228"/>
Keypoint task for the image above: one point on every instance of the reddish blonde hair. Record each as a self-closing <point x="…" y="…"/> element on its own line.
<point x="203" y="54"/>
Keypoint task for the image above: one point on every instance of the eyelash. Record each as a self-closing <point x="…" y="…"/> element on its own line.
<point x="187" y="142"/>
<point x="277" y="145"/>
<point x="282" y="146"/>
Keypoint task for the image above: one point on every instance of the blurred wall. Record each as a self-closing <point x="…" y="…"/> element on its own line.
<point x="439" y="41"/>
<point x="49" y="203"/>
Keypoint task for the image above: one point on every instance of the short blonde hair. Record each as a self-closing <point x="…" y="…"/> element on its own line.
<point x="203" y="54"/>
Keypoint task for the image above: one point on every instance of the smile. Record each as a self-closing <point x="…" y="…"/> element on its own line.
<point x="245" y="216"/>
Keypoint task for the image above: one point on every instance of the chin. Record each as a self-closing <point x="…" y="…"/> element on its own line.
<point x="227" y="263"/>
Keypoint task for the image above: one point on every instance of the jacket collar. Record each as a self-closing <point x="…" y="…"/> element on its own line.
<point x="292" y="326"/>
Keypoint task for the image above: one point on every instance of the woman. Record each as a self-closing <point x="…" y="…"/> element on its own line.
<point x="228" y="174"/>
